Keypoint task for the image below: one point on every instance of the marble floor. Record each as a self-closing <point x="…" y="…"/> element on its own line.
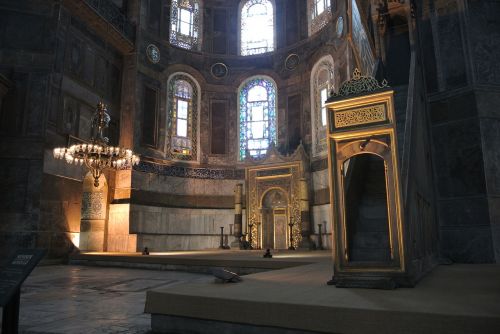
<point x="76" y="299"/>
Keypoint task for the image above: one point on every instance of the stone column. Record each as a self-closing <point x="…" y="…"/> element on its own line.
<point x="93" y="218"/>
<point x="238" y="217"/>
<point x="305" y="215"/>
<point x="120" y="231"/>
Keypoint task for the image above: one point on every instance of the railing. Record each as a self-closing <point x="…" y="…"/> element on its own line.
<point x="411" y="106"/>
<point x="112" y="13"/>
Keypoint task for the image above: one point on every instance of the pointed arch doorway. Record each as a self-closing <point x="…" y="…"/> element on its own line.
<point x="275" y="219"/>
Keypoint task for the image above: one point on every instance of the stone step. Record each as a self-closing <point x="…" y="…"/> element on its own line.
<point x="369" y="254"/>
<point x="372" y="240"/>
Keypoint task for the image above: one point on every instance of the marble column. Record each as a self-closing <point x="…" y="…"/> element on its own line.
<point x="238" y="217"/>
<point x="93" y="217"/>
<point x="305" y="215"/>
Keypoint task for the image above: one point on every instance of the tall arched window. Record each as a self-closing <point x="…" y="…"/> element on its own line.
<point x="257" y="27"/>
<point x="319" y="14"/>
<point x="257" y="98"/>
<point x="321" y="84"/>
<point x="182" y="117"/>
<point x="185" y="24"/>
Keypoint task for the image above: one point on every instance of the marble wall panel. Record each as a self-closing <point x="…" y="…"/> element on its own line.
<point x="183" y="186"/>
<point x="321" y="214"/>
<point x="490" y="133"/>
<point x="484" y="27"/>
<point x="495" y="235"/>
<point x="158" y="243"/>
<point x="470" y="211"/>
<point x="467" y="245"/>
<point x="173" y="221"/>
<point x="61" y="168"/>
<point x="320" y="180"/>
<point x="458" y="158"/>
<point x="487" y="103"/>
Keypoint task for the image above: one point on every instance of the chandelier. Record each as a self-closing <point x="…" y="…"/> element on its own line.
<point x="97" y="155"/>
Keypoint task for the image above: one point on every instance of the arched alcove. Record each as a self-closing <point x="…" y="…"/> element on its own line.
<point x="275" y="219"/>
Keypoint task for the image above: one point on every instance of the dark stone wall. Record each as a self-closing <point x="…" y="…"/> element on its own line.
<point x="59" y="69"/>
<point x="27" y="40"/>
<point x="460" y="49"/>
<point x="484" y="37"/>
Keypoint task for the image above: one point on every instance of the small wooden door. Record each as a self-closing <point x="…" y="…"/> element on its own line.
<point x="280" y="231"/>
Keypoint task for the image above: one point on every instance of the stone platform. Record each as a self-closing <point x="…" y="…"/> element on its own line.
<point x="452" y="299"/>
<point x="241" y="262"/>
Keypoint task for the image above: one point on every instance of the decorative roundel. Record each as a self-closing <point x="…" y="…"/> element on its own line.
<point x="292" y="61"/>
<point x="340" y="26"/>
<point x="153" y="53"/>
<point x="219" y="70"/>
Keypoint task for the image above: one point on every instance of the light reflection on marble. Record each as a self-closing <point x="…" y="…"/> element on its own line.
<point x="73" y="299"/>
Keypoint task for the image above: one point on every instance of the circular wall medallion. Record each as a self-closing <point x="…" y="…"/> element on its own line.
<point x="219" y="70"/>
<point x="340" y="26"/>
<point x="153" y="53"/>
<point x="292" y="61"/>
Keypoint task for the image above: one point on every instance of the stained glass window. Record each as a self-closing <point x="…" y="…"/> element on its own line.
<point x="321" y="85"/>
<point x="185" y="23"/>
<point x="257" y="116"/>
<point x="257" y="27"/>
<point x="182" y="117"/>
<point x="319" y="14"/>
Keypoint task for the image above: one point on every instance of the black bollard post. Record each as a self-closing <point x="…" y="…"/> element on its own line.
<point x="320" y="238"/>
<point x="291" y="237"/>
<point x="250" y="240"/>
<point x="259" y="241"/>
<point x="221" y="246"/>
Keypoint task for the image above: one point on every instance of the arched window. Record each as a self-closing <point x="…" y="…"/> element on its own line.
<point x="185" y="24"/>
<point x="321" y="84"/>
<point x="257" y="27"/>
<point x="257" y="98"/>
<point x="182" y="117"/>
<point x="319" y="14"/>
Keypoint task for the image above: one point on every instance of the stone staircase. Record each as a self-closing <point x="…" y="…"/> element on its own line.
<point x="369" y="237"/>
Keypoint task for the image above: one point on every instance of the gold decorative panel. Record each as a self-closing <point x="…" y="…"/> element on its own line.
<point x="262" y="179"/>
<point x="353" y="134"/>
<point x="364" y="115"/>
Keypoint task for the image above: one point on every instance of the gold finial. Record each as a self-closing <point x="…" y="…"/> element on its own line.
<point x="356" y="74"/>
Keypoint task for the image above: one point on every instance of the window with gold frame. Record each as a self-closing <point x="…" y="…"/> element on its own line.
<point x="182" y="118"/>
<point x="321" y="85"/>
<point x="185" y="24"/>
<point x="320" y="14"/>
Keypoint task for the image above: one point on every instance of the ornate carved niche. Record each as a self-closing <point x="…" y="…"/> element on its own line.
<point x="275" y="172"/>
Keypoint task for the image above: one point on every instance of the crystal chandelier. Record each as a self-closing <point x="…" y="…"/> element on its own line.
<point x="97" y="155"/>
